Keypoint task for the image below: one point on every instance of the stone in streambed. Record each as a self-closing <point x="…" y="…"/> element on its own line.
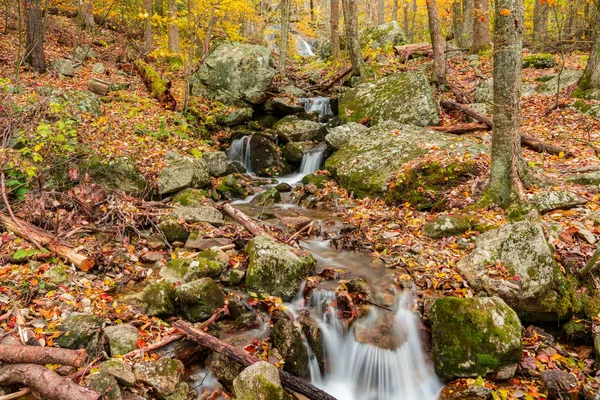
<point x="188" y="269"/>
<point x="162" y="375"/>
<point x="158" y="299"/>
<point x="259" y="381"/>
<point x="120" y="370"/>
<point x="173" y="230"/>
<point x="198" y="214"/>
<point x="105" y="384"/>
<point x="288" y="340"/>
<point x="200" y="299"/>
<point x="216" y="161"/>
<point x="81" y="331"/>
<point x="191" y="197"/>
<point x="121" y="338"/>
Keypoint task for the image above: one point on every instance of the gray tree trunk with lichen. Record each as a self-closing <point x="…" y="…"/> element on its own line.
<point x="481" y="26"/>
<point x="591" y="75"/>
<point x="285" y="27"/>
<point x="462" y="23"/>
<point x="438" y="43"/>
<point x="353" y="38"/>
<point x="540" y="21"/>
<point x="173" y="32"/>
<point x="505" y="185"/>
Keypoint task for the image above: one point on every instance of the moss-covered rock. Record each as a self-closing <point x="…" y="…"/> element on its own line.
<point x="555" y="200"/>
<point x="383" y="36"/>
<point x="191" y="197"/>
<point x="294" y="129"/>
<point x="198" y="214"/>
<point x="259" y="381"/>
<point x="539" y="61"/>
<point x="121" y="338"/>
<point x="229" y="188"/>
<point x="268" y="197"/>
<point x="265" y="157"/>
<point x="586" y="178"/>
<point x="405" y="97"/>
<point x="340" y="135"/>
<point x="159" y="299"/>
<point x="238" y="116"/>
<point x="515" y="263"/>
<point x="567" y="77"/>
<point x="448" y="225"/>
<point x="275" y="268"/>
<point x="181" y="173"/>
<point x="162" y="375"/>
<point x="82" y="331"/>
<point x="288" y="340"/>
<point x="475" y="337"/>
<point x="224" y="369"/>
<point x="200" y="299"/>
<point x="105" y="384"/>
<point x="293" y="152"/>
<point x="316" y="179"/>
<point x="216" y="161"/>
<point x="120" y="370"/>
<point x="173" y="230"/>
<point x="189" y="269"/>
<point x="117" y="175"/>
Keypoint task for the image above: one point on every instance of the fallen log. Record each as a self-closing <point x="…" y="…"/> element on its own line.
<point x="159" y="88"/>
<point x="460" y="128"/>
<point x="288" y="380"/>
<point x="526" y="141"/>
<point x="28" y="231"/>
<point x="47" y="383"/>
<point x="408" y="51"/>
<point x="42" y="355"/>
<point x="242" y="218"/>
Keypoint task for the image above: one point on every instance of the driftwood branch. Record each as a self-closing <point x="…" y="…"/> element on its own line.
<point x="26" y="231"/>
<point x="242" y="218"/>
<point x="42" y="355"/>
<point x="288" y="380"/>
<point x="526" y="141"/>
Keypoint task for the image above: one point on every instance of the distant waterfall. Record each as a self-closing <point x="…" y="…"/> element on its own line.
<point x="303" y="47"/>
<point x="239" y="150"/>
<point x="320" y="104"/>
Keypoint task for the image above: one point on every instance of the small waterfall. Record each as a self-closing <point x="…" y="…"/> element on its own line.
<point x="303" y="47"/>
<point x="358" y="371"/>
<point x="239" y="150"/>
<point x="313" y="159"/>
<point x="320" y="104"/>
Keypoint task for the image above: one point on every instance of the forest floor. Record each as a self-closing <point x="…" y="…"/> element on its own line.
<point x="141" y="128"/>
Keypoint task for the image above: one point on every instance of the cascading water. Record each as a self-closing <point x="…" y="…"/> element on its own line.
<point x="303" y="47"/>
<point x="313" y="159"/>
<point x="359" y="371"/>
<point x="239" y="150"/>
<point x="320" y="104"/>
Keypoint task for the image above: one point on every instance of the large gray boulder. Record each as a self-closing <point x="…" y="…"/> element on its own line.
<point x="382" y="36"/>
<point x="181" y="173"/>
<point x="198" y="214"/>
<point x="64" y="67"/>
<point x="275" y="268"/>
<point x="515" y="263"/>
<point x="216" y="161"/>
<point x="259" y="381"/>
<point x="340" y="135"/>
<point x="294" y="129"/>
<point x="265" y="157"/>
<point x="475" y="337"/>
<point x="567" y="77"/>
<point x="235" y="73"/>
<point x="404" y="97"/>
<point x="116" y="175"/>
<point x="199" y="299"/>
<point x="367" y="163"/>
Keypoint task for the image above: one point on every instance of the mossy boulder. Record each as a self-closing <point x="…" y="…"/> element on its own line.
<point x="216" y="161"/>
<point x="229" y="188"/>
<point x="173" y="230"/>
<point x="181" y="173"/>
<point x="288" y="340"/>
<point x="587" y="108"/>
<point x="340" y="135"/>
<point x="235" y="73"/>
<point x="117" y="175"/>
<point x="121" y="338"/>
<point x="316" y="179"/>
<point x="475" y="337"/>
<point x="199" y="299"/>
<point x="368" y="163"/>
<point x="159" y="299"/>
<point x="191" y="197"/>
<point x="198" y="214"/>
<point x="294" y="129"/>
<point x="567" y="77"/>
<point x="293" y="152"/>
<point x="448" y="225"/>
<point x="224" y="369"/>
<point x="265" y="156"/>
<point x="404" y="97"/>
<point x="585" y="178"/>
<point x="556" y="200"/>
<point x="275" y="268"/>
<point x="82" y="331"/>
<point x="383" y="36"/>
<point x="162" y="375"/>
<point x="539" y="61"/>
<point x="120" y="370"/>
<point x="105" y="384"/>
<point x="268" y="197"/>
<point x="189" y="269"/>
<point x="238" y="116"/>
<point x="515" y="263"/>
<point x="259" y="381"/>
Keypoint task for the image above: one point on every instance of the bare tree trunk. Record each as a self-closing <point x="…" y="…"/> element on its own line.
<point x="312" y="11"/>
<point x="87" y="14"/>
<point x="285" y="27"/>
<point x="438" y="43"/>
<point x="34" y="49"/>
<point x="173" y="27"/>
<point x="148" y="27"/>
<point x="505" y="184"/>
<point x="591" y="74"/>
<point x="335" y="29"/>
<point x="481" y="26"/>
<point x="209" y="31"/>
<point x="380" y="12"/>
<point x="353" y="38"/>
<point x="462" y="23"/>
<point x="540" y="21"/>
<point x="405" y="19"/>
<point x="395" y="10"/>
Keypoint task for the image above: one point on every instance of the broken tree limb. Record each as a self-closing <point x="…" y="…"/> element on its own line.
<point x="242" y="218"/>
<point x="591" y="264"/>
<point x="408" y="51"/>
<point x="47" y="383"/>
<point x="42" y="355"/>
<point x="337" y="78"/>
<point x="26" y="231"/>
<point x="460" y="128"/>
<point x="287" y="380"/>
<point x="158" y="87"/>
<point x="526" y="141"/>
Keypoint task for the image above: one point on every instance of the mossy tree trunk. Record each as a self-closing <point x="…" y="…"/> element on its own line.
<point x="158" y="87"/>
<point x="285" y="29"/>
<point x="591" y="75"/>
<point x="438" y="43"/>
<point x="173" y="27"/>
<point x="335" y="29"/>
<point x="353" y="38"/>
<point x="481" y="26"/>
<point x="505" y="185"/>
<point x="462" y="23"/>
<point x="34" y="49"/>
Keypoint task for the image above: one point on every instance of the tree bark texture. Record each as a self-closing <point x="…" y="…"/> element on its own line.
<point x="335" y="29"/>
<point x="481" y="26"/>
<point x="541" y="11"/>
<point x="285" y="28"/>
<point x="405" y="8"/>
<point x="380" y="12"/>
<point x="42" y="355"/>
<point x="438" y="43"/>
<point x="148" y="39"/>
<point x="34" y="49"/>
<point x="395" y="10"/>
<point x="353" y="38"/>
<point x="505" y="185"/>
<point x="173" y="32"/>
<point x="462" y="23"/>
<point x="591" y="74"/>
<point x="87" y="14"/>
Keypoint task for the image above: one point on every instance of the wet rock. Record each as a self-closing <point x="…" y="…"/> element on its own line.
<point x="379" y="330"/>
<point x="287" y="105"/>
<point x="117" y="175"/>
<point x="275" y="268"/>
<point x="121" y="338"/>
<point x="283" y="188"/>
<point x="539" y="61"/>
<point x="448" y="225"/>
<point x="163" y="375"/>
<point x="230" y="188"/>
<point x="173" y="230"/>
<point x="475" y="337"/>
<point x="235" y="73"/>
<point x="200" y="299"/>
<point x="293" y="152"/>
<point x="383" y="36"/>
<point x="294" y="224"/>
<point x="105" y="384"/>
<point x="159" y="299"/>
<point x="288" y="341"/>
<point x="265" y="157"/>
<point x="311" y="188"/>
<point x="268" y="197"/>
<point x="181" y="173"/>
<point x="550" y="201"/>
<point x="340" y="135"/>
<point x="404" y="97"/>
<point x="238" y="116"/>
<point x="120" y="370"/>
<point x="196" y="242"/>
<point x="532" y="283"/>
<point x="259" y="381"/>
<point x="188" y="269"/>
<point x="313" y="335"/>
<point x="191" y="197"/>
<point x="216" y="161"/>
<point x="82" y="331"/>
<point x="63" y="67"/>
<point x="317" y="180"/>
<point x="224" y="369"/>
<point x="294" y="129"/>
<point x="244" y="317"/>
<point x="560" y="384"/>
<point x="199" y="214"/>
<point x="233" y="277"/>
<point x="361" y="287"/>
